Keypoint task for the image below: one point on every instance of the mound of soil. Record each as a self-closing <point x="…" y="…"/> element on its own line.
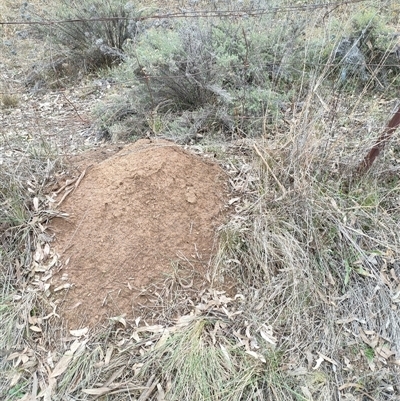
<point x="130" y="218"/>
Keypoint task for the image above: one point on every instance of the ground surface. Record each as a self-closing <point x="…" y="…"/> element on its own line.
<point x="132" y="216"/>
<point x="313" y="262"/>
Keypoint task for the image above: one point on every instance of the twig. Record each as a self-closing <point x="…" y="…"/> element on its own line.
<point x="81" y="177"/>
<point x="269" y="169"/>
<point x="69" y="189"/>
<point x="67" y="184"/>
<point x="76" y="111"/>
<point x="147" y="79"/>
<point x="67" y="192"/>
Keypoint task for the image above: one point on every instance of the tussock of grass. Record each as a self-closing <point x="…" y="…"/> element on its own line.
<point x="88" y="44"/>
<point x="81" y="371"/>
<point x="9" y="101"/>
<point x="25" y="171"/>
<point x="15" y="320"/>
<point x="193" y="367"/>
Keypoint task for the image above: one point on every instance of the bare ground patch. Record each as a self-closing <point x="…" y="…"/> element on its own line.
<point x="131" y="218"/>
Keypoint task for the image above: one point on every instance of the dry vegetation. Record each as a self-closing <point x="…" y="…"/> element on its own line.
<point x="313" y="248"/>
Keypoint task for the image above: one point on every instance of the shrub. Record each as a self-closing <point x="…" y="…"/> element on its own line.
<point x="378" y="43"/>
<point x="215" y="75"/>
<point x="240" y="76"/>
<point x="87" y="41"/>
<point x="181" y="66"/>
<point x="365" y="51"/>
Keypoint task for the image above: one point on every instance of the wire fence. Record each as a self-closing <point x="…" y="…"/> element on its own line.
<point x="249" y="12"/>
<point x="240" y="13"/>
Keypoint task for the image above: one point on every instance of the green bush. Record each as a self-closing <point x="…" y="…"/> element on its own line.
<point x="237" y="76"/>
<point x="209" y="76"/>
<point x="181" y="67"/>
<point x="363" y="50"/>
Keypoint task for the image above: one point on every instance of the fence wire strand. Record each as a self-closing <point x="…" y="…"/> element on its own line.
<point x="199" y="14"/>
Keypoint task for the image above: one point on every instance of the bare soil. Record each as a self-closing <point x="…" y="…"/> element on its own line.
<point x="131" y="218"/>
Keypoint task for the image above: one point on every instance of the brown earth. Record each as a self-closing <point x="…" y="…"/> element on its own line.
<point x="130" y="218"/>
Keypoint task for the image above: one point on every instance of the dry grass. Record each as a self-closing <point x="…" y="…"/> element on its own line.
<point x="313" y="249"/>
<point x="25" y="172"/>
<point x="317" y="252"/>
<point x="9" y="101"/>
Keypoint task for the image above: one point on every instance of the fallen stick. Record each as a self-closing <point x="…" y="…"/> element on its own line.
<point x="71" y="189"/>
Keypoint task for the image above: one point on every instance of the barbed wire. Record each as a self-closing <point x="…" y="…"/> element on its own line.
<point x="198" y="14"/>
<point x="146" y="76"/>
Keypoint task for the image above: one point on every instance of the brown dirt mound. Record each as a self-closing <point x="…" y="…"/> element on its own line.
<point x="131" y="217"/>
